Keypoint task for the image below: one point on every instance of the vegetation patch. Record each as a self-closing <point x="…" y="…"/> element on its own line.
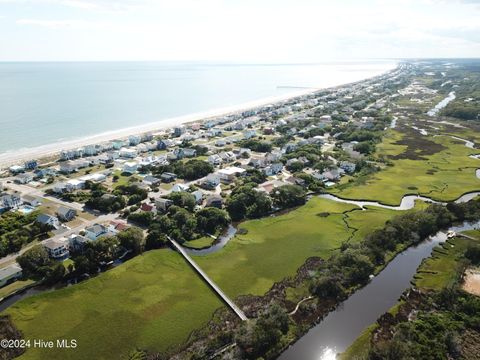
<point x="164" y="303"/>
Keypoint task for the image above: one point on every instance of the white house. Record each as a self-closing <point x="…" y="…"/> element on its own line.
<point x="57" y="249"/>
<point x="130" y="167"/>
<point x="10" y="274"/>
<point x="95" y="231"/>
<point x="180" y="187"/>
<point x="229" y="174"/>
<point x="128" y="153"/>
<point x="50" y="220"/>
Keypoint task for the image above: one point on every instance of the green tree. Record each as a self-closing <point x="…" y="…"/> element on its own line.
<point x="132" y="239"/>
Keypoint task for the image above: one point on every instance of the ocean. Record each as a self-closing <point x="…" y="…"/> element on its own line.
<point x="51" y="102"/>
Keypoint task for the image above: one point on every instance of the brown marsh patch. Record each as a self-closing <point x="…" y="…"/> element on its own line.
<point x="418" y="146"/>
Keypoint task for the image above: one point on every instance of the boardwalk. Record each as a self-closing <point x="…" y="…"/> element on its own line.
<point x="214" y="286"/>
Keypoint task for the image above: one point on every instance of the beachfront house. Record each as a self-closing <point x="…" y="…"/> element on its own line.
<point x="30" y="164"/>
<point x="134" y="140"/>
<point x="16" y="169"/>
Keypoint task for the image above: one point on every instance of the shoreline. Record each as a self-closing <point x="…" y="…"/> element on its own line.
<point x="11" y="157"/>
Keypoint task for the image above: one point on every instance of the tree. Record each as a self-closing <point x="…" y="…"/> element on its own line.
<point x="155" y="239"/>
<point x="211" y="219"/>
<point x="473" y="254"/>
<point x="144" y="218"/>
<point x="34" y="262"/>
<point x="288" y="196"/>
<point x="256" y="337"/>
<point x="246" y="202"/>
<point x="183" y="199"/>
<point x="365" y="147"/>
<point x="327" y="287"/>
<point x="132" y="239"/>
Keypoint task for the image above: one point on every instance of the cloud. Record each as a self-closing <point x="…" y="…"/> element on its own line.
<point x="97" y="5"/>
<point x="59" y="24"/>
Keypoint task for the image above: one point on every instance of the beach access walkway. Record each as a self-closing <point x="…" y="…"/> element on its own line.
<point x="214" y="286"/>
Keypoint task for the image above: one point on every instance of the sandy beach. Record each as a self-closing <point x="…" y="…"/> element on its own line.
<point x="19" y="156"/>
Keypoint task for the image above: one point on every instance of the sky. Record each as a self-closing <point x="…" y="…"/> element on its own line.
<point x="270" y="31"/>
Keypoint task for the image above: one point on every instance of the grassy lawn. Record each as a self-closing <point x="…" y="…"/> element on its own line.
<point x="200" y="242"/>
<point x="441" y="270"/>
<point x="7" y="290"/>
<point x="151" y="302"/>
<point x="444" y="175"/>
<point x="276" y="247"/>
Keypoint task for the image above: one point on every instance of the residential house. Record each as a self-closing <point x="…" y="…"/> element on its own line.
<point x="168" y="177"/>
<point x="57" y="249"/>
<point x="10" y="274"/>
<point x="257" y="161"/>
<point x="60" y="188"/>
<point x="134" y="140"/>
<point x="49" y="220"/>
<point x="211" y="181"/>
<point x="214" y="201"/>
<point x="220" y="143"/>
<point x="95" y="231"/>
<point x="77" y="242"/>
<point x="117" y="226"/>
<point x="68" y="167"/>
<point x="90" y="150"/>
<point x="250" y="133"/>
<point x="75" y="184"/>
<point x="164" y="144"/>
<point x="163" y="204"/>
<point x="16" y="169"/>
<point x="151" y="180"/>
<point x="179" y="153"/>
<point x="30" y="200"/>
<point x="179" y="131"/>
<point x="180" y="187"/>
<point x="24" y="178"/>
<point x="147" y="207"/>
<point x="10" y="201"/>
<point x="30" y="164"/>
<point x="215" y="159"/>
<point x="118" y="144"/>
<point x="198" y="196"/>
<point x="349" y="167"/>
<point x="128" y="153"/>
<point x="273" y="169"/>
<point x="229" y="174"/>
<point x="189" y="152"/>
<point x="130" y="167"/>
<point x="66" y="214"/>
